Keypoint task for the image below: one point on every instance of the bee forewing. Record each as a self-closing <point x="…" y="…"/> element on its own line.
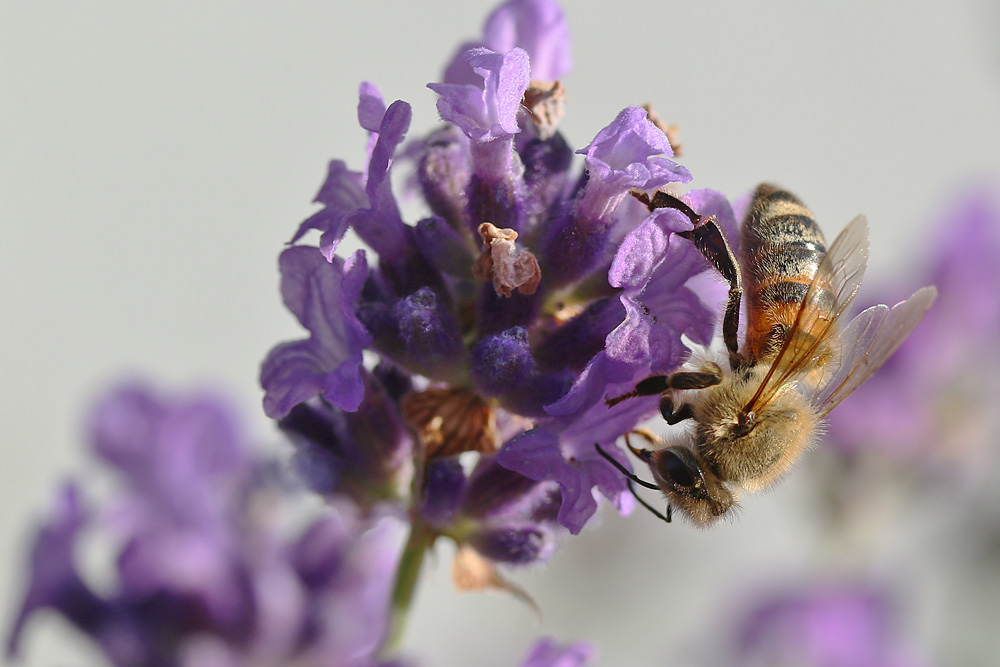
<point x="840" y="274"/>
<point x="868" y="341"/>
<point x="844" y="266"/>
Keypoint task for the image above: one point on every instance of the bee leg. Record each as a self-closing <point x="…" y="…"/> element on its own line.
<point x="674" y="416"/>
<point x="659" y="384"/>
<point x="712" y="244"/>
<point x="644" y="454"/>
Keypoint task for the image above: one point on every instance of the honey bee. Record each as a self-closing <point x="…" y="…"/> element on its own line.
<point x="754" y="411"/>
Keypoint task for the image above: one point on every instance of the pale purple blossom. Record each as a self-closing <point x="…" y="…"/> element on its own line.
<point x="823" y="626"/>
<point x="537" y="26"/>
<point x="548" y="653"/>
<point x="201" y="574"/>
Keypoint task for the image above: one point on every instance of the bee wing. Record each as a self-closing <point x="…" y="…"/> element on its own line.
<point x="868" y="341"/>
<point x="839" y="274"/>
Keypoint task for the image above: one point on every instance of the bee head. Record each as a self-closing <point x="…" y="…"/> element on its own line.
<point x="689" y="485"/>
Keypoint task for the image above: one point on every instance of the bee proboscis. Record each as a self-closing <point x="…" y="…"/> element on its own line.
<point x="754" y="410"/>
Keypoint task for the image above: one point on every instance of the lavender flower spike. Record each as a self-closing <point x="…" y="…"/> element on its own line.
<point x="495" y="314"/>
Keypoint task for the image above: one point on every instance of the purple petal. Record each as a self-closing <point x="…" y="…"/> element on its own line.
<point x="628" y="153"/>
<point x="538" y="454"/>
<point x="515" y="544"/>
<point x="360" y="454"/>
<point x="835" y="625"/>
<point x="593" y="384"/>
<point x="316" y="555"/>
<point x="371" y="107"/>
<point x="380" y="225"/>
<point x="444" y="486"/>
<point x="497" y="492"/>
<point x="488" y="116"/>
<point x="653" y="265"/>
<point x="488" y="113"/>
<point x="180" y="455"/>
<point x="537" y="26"/>
<point x="577" y="342"/>
<point x="341" y="194"/>
<point x="563" y="450"/>
<point x="195" y="564"/>
<point x="547" y="653"/>
<point x="323" y="297"/>
<point x="505" y="78"/>
<point x="354" y="608"/>
<point x="371" y="112"/>
<point x="503" y="367"/>
<point x="645" y="248"/>
<point x="624" y="155"/>
<point x="54" y="580"/>
<point x="458" y="71"/>
<point x="444" y="171"/>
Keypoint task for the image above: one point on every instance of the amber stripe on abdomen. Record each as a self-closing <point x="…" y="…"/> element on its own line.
<point x="782" y="248"/>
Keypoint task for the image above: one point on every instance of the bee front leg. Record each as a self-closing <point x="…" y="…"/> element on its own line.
<point x="712" y="244"/>
<point x="674" y="416"/>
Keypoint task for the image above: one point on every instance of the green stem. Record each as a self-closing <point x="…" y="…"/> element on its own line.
<point x="407" y="575"/>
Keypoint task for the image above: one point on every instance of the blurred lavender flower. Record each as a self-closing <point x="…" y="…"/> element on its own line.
<point x="206" y="573"/>
<point x="506" y="315"/>
<point x="933" y="402"/>
<point x="537" y="27"/>
<point x="547" y="653"/>
<point x="833" y="626"/>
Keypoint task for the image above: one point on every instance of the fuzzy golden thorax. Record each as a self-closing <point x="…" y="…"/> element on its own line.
<point x="731" y="450"/>
<point x="753" y="450"/>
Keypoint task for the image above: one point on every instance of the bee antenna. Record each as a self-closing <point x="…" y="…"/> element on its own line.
<point x="655" y="512"/>
<point x="625" y="471"/>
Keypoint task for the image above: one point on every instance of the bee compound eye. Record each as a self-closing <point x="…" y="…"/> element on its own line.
<point x="677" y="469"/>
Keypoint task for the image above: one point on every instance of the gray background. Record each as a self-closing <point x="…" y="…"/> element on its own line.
<point x="155" y="157"/>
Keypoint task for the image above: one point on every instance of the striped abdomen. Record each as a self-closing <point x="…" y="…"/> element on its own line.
<point x="782" y="248"/>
